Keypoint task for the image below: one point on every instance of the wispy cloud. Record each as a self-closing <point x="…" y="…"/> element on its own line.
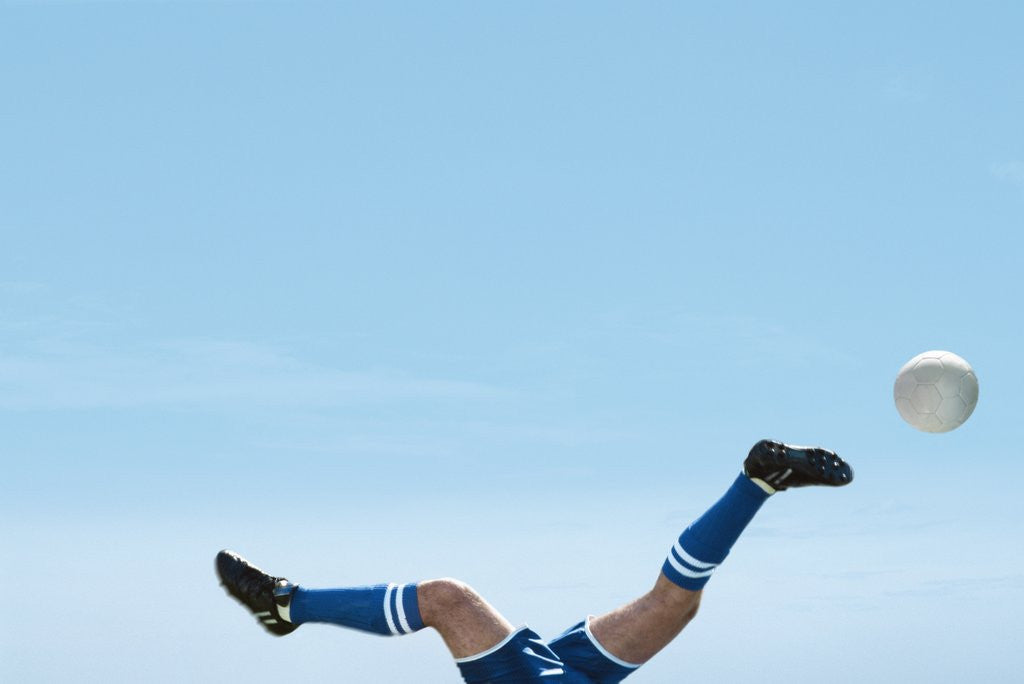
<point x="747" y="340"/>
<point x="17" y="287"/>
<point x="1009" y="172"/>
<point x="967" y="587"/>
<point x="207" y="374"/>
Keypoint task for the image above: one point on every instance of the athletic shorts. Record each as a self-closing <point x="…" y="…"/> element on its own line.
<point x="573" y="657"/>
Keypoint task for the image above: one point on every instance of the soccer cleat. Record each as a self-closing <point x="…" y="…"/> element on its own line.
<point x="265" y="596"/>
<point x="782" y="466"/>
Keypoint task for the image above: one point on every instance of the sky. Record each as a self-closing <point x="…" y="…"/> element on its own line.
<point x="377" y="292"/>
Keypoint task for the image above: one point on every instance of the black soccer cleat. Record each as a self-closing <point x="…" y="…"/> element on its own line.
<point x="261" y="593"/>
<point x="783" y="466"/>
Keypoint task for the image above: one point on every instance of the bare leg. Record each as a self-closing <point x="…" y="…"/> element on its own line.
<point x="467" y="623"/>
<point x="638" y="630"/>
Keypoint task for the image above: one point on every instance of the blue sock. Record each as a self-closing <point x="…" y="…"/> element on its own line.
<point x="387" y="609"/>
<point x="706" y="542"/>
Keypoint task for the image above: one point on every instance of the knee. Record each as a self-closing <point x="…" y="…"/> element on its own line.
<point x="684" y="607"/>
<point x="446" y="595"/>
<point x="676" y="600"/>
<point x="690" y="612"/>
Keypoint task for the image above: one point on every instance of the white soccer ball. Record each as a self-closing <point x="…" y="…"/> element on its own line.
<point x="936" y="391"/>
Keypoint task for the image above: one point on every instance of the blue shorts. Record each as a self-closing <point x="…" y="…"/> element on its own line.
<point x="573" y="657"/>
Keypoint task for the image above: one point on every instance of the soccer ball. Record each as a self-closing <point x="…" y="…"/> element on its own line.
<point x="936" y="391"/>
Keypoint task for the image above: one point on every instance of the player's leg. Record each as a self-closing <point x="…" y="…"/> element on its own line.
<point x="632" y="634"/>
<point x="641" y="628"/>
<point x="485" y="647"/>
<point x="466" y="622"/>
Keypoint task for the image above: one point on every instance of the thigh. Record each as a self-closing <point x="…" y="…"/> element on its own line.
<point x="638" y="630"/>
<point x="468" y="624"/>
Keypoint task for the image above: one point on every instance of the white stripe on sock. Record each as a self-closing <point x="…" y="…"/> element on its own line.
<point x="401" y="610"/>
<point x="687" y="572"/>
<point x="387" y="609"/>
<point x="690" y="559"/>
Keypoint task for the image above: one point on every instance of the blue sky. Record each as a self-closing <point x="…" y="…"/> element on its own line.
<point x="380" y="292"/>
